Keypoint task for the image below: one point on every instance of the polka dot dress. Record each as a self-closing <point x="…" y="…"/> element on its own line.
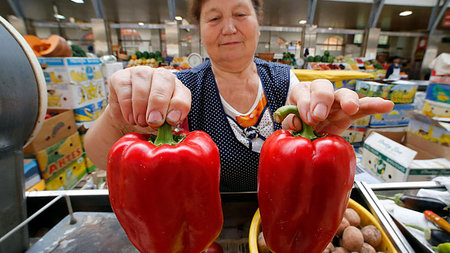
<point x="239" y="163"/>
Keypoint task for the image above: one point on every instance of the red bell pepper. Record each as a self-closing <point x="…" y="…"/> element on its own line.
<point x="166" y="195"/>
<point x="304" y="185"/>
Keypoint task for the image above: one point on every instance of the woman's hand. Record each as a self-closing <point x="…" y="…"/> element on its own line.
<point x="142" y="98"/>
<point x="328" y="110"/>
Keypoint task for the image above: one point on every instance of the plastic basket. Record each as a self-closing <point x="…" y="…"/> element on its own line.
<point x="366" y="219"/>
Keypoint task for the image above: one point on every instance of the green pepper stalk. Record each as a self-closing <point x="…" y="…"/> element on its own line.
<point x="306" y="132"/>
<point x="433" y="236"/>
<point x="166" y="136"/>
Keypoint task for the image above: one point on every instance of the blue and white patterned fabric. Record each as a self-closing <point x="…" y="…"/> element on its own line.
<point x="239" y="163"/>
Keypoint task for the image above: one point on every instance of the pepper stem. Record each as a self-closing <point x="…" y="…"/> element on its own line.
<point x="306" y="132"/>
<point x="426" y="231"/>
<point x="166" y="136"/>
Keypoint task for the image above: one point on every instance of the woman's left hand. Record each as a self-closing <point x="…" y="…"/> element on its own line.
<point x="328" y="110"/>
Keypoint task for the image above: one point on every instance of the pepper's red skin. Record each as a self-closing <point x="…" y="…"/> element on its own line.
<point x="303" y="190"/>
<point x="166" y="198"/>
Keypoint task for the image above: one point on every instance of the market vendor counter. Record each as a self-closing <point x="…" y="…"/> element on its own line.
<point x="339" y="78"/>
<point x="96" y="228"/>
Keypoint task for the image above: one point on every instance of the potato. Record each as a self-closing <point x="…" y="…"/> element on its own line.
<point x="344" y="224"/>
<point x="329" y="248"/>
<point x="371" y="235"/>
<point x="367" y="248"/>
<point x="262" y="246"/>
<point x="352" y="217"/>
<point x="352" y="239"/>
<point x="340" y="250"/>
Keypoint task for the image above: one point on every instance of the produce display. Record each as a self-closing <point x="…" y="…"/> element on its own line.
<point x="294" y="215"/>
<point x="420" y="204"/>
<point x="53" y="46"/>
<point x="153" y="59"/>
<point x="438" y="236"/>
<point x="358" y="232"/>
<point x="164" y="190"/>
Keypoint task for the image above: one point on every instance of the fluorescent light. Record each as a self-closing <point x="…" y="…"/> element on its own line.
<point x="303" y="21"/>
<point x="405" y="13"/>
<point x="179" y="18"/>
<point x="59" y="16"/>
<point x="78" y="1"/>
<point x="141" y="23"/>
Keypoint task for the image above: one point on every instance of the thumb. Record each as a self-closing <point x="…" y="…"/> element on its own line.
<point x="292" y="122"/>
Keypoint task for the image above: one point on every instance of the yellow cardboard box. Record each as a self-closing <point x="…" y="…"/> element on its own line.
<point x="67" y="177"/>
<point x="59" y="155"/>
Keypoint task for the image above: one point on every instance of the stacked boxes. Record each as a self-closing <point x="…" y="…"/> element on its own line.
<point x="402" y="93"/>
<point x="355" y="133"/>
<point x="424" y="143"/>
<point x="77" y="84"/>
<point x="57" y="148"/>
<point x="437" y="99"/>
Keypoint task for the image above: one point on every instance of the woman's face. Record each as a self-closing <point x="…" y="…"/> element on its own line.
<point x="229" y="30"/>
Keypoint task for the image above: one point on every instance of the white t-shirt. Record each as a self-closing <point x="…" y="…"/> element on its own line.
<point x="253" y="127"/>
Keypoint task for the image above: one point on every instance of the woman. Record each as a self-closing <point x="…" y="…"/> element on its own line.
<point x="233" y="96"/>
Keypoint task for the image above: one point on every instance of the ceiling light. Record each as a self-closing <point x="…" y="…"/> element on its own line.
<point x="303" y="21"/>
<point x="59" y="16"/>
<point x="330" y="28"/>
<point x="405" y="13"/>
<point x="179" y="18"/>
<point x="141" y="23"/>
<point x="78" y="1"/>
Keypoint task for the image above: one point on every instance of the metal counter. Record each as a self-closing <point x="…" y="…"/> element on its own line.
<point x="93" y="206"/>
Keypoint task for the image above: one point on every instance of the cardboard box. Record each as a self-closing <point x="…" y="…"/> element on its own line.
<point x="73" y="82"/>
<point x="67" y="177"/>
<point x="55" y="70"/>
<point x="53" y="130"/>
<point x="75" y="95"/>
<point x="86" y="115"/>
<point x="59" y="155"/>
<point x="429" y="129"/>
<point x="93" y="68"/>
<point x="362" y="122"/>
<point x="410" y="159"/>
<point x="399" y="116"/>
<point x="402" y="92"/>
<point x="438" y="92"/>
<point x="90" y="166"/>
<point x="349" y="84"/>
<point x="37" y="187"/>
<point x="354" y="135"/>
<point x="436" y="109"/>
<point x="31" y="172"/>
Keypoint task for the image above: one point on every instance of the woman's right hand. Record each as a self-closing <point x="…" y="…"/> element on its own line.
<point x="142" y="97"/>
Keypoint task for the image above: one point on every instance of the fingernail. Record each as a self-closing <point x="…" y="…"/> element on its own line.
<point x="141" y="120"/>
<point x="174" y="116"/>
<point x="155" y="117"/>
<point x="131" y="119"/>
<point x="310" y="120"/>
<point x="320" y="111"/>
<point x="356" y="103"/>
